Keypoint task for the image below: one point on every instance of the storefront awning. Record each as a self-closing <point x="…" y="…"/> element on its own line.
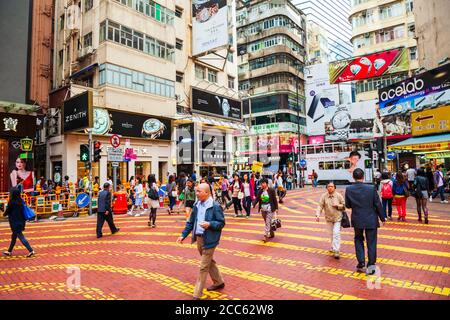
<point x="84" y="70"/>
<point x="429" y="143"/>
<point x="211" y="121"/>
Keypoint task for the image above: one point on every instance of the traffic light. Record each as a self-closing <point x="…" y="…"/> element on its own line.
<point x="97" y="150"/>
<point x="84" y="152"/>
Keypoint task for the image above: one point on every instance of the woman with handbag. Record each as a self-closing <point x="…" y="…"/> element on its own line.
<point x="138" y="198"/>
<point x="171" y="188"/>
<point x="249" y="195"/>
<point x="333" y="204"/>
<point x="268" y="206"/>
<point x="237" y="189"/>
<point x="401" y="194"/>
<point x="153" y="195"/>
<point x="17" y="221"/>
<point x="189" y="198"/>
<point x="421" y="193"/>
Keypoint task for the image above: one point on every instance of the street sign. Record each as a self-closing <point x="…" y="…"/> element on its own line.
<point x="391" y="155"/>
<point x="374" y="155"/>
<point x="303" y="163"/>
<point x="115" y="155"/>
<point x="115" y="141"/>
<point x="82" y="200"/>
<point x="115" y="164"/>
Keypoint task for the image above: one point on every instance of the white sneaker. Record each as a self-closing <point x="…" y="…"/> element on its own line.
<point x="137" y="215"/>
<point x="445" y="201"/>
<point x="431" y="199"/>
<point x="129" y="213"/>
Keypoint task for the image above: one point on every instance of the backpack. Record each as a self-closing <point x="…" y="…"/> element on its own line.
<point x="152" y="194"/>
<point x="386" y="191"/>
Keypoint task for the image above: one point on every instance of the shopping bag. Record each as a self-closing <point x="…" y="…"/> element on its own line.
<point x="28" y="213"/>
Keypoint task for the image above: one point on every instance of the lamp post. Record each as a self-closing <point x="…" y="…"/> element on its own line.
<point x="300" y="179"/>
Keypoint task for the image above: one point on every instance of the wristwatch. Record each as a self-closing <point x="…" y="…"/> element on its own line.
<point x="152" y="128"/>
<point x="341" y="121"/>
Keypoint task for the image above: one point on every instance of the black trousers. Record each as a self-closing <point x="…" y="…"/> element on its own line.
<point x="152" y="216"/>
<point x="237" y="205"/>
<point x="101" y="217"/>
<point x="371" y="240"/>
<point x="247" y="202"/>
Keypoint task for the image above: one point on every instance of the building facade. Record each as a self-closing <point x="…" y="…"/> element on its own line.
<point x="271" y="55"/>
<point x="331" y="15"/>
<point x="124" y="52"/>
<point x="25" y="29"/>
<point x="433" y="38"/>
<point x="317" y="44"/>
<point x="379" y="26"/>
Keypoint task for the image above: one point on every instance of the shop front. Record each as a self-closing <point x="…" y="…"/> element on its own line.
<point x="15" y="164"/>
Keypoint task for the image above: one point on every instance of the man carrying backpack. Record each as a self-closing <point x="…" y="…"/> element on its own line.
<point x="386" y="195"/>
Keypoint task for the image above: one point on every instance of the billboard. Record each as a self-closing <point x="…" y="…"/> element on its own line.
<point x="78" y="112"/>
<point x="185" y="143"/>
<point x="216" y="105"/>
<point x="427" y="89"/>
<point x="369" y="66"/>
<point x="131" y="125"/>
<point x="213" y="146"/>
<point x="320" y="96"/>
<point x="353" y="121"/>
<point x="431" y="121"/>
<point x="398" y="126"/>
<point x="209" y="25"/>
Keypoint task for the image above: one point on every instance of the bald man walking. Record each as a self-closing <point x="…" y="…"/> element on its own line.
<point x="205" y="223"/>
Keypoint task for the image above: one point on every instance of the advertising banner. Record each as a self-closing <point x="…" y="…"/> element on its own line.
<point x="427" y="89"/>
<point x="77" y="112"/>
<point x="217" y="105"/>
<point x="398" y="126"/>
<point x="431" y="121"/>
<point x="209" y="25"/>
<point x="316" y="139"/>
<point x="369" y="66"/>
<point x="185" y="143"/>
<point x="320" y="96"/>
<point x="131" y="125"/>
<point x="354" y="121"/>
<point x="213" y="146"/>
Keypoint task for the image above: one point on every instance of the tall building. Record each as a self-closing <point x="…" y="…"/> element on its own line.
<point x="25" y="64"/>
<point x="136" y="58"/>
<point x="318" y="50"/>
<point x="271" y="55"/>
<point x="432" y="25"/>
<point x="379" y="27"/>
<point x="332" y="16"/>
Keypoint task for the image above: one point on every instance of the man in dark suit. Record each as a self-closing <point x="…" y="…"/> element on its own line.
<point x="366" y="207"/>
<point x="206" y="223"/>
<point x="104" y="211"/>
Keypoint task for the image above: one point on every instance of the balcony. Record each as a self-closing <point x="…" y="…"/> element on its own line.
<point x="281" y="67"/>
<point x="270" y="32"/>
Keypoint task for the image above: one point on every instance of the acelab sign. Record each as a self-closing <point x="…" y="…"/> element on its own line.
<point x="78" y="112"/>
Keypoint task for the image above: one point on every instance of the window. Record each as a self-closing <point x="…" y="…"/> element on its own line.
<point x="88" y="4"/>
<point x="61" y="22"/>
<point x="212" y="76"/>
<point x="179" y="76"/>
<point x="409" y="6"/>
<point x="230" y="82"/>
<point x="151" y="9"/>
<point x="60" y="56"/>
<point x="200" y="72"/>
<point x="413" y="53"/>
<point x="179" y="44"/>
<point x="178" y="12"/>
<point x="87" y="40"/>
<point x="230" y="57"/>
<point x="411" y="30"/>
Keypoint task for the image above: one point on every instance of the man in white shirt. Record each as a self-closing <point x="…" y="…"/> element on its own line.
<point x="411" y="174"/>
<point x="439" y="183"/>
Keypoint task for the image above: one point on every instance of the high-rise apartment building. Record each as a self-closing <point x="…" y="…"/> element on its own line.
<point x="332" y="16"/>
<point x="379" y="26"/>
<point x="271" y="56"/>
<point x="318" y="50"/>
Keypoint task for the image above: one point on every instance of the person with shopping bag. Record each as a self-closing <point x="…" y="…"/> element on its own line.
<point x="17" y="220"/>
<point x="153" y="196"/>
<point x="267" y="202"/>
<point x="237" y="189"/>
<point x="332" y="203"/>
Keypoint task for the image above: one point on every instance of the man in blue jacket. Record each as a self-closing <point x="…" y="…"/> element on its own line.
<point x="366" y="208"/>
<point x="205" y="223"/>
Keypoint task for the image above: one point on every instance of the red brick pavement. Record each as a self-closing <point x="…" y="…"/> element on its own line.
<point x="144" y="263"/>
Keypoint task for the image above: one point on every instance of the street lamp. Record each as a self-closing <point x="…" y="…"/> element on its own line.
<point x="297" y="64"/>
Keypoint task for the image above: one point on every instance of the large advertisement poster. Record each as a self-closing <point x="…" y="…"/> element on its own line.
<point x="185" y="143"/>
<point x="209" y="25"/>
<point x="369" y="66"/>
<point x="428" y="89"/>
<point x="431" y="121"/>
<point x="216" y="105"/>
<point x="320" y="96"/>
<point x="213" y="146"/>
<point x="353" y="121"/>
<point x="131" y="125"/>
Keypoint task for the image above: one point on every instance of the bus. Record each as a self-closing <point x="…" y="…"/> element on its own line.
<point x="336" y="162"/>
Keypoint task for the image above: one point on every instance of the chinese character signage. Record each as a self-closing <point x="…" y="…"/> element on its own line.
<point x="431" y="121"/>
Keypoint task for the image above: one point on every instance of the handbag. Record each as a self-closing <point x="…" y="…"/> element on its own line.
<point x="174" y="194"/>
<point x="240" y="195"/>
<point x="407" y="194"/>
<point x="181" y="196"/>
<point x="345" y="221"/>
<point x="28" y="213"/>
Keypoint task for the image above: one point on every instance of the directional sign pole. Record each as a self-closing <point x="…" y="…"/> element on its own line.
<point x="114" y="177"/>
<point x="91" y="156"/>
